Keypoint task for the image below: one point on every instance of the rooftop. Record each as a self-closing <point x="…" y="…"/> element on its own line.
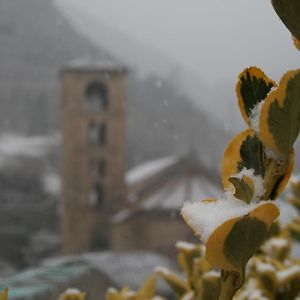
<point x="95" y="64"/>
<point x="164" y="184"/>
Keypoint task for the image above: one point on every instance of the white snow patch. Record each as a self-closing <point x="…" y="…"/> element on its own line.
<point x="278" y="242"/>
<point x="162" y="270"/>
<point x="283" y="276"/>
<point x="72" y="291"/>
<point x="255" y="116"/>
<point x="185" y="245"/>
<point x="257" y="181"/>
<point x="273" y="154"/>
<point x="188" y="296"/>
<point x="12" y="145"/>
<point x="252" y="291"/>
<point x="265" y="267"/>
<point x="204" y="217"/>
<point x="148" y="169"/>
<point x="112" y="290"/>
<point x="212" y="274"/>
<point x="52" y="184"/>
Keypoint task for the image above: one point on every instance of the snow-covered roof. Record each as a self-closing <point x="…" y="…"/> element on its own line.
<point x="149" y="169"/>
<point x="101" y="63"/>
<point x="175" y="192"/>
<point x="14" y="145"/>
<point x="171" y="195"/>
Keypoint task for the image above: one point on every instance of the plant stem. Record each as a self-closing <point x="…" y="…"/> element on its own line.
<point x="231" y="283"/>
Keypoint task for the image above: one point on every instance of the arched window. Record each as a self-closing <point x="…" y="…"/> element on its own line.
<point x="97" y="195"/>
<point x="96" y="97"/>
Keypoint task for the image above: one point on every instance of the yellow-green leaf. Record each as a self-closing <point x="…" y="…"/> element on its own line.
<point x="252" y="87"/>
<point x="148" y="289"/>
<point x="280" y="115"/>
<point x="289" y="13"/>
<point x="232" y="244"/>
<point x="244" y="188"/>
<point x="244" y="151"/>
<point x="188" y="253"/>
<point x="177" y="284"/>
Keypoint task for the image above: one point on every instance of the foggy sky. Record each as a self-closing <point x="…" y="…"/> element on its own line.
<point x="213" y="39"/>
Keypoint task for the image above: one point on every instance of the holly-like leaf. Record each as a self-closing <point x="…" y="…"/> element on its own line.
<point x="251" y="152"/>
<point x="280" y="115"/>
<point x="232" y="244"/>
<point x="252" y="87"/>
<point x="244" y="240"/>
<point x="289" y="13"/>
<point x="244" y="151"/>
<point x="244" y="188"/>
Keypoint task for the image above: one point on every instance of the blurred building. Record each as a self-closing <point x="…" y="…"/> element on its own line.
<point x="93" y="118"/>
<point x="156" y="192"/>
<point x="103" y="206"/>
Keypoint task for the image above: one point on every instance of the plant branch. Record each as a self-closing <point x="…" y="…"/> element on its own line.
<point x="231" y="283"/>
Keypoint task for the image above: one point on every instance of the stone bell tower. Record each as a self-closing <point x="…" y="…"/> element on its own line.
<point x="93" y="162"/>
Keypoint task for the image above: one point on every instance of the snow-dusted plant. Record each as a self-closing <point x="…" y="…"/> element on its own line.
<point x="72" y="294"/>
<point x="256" y="167"/>
<point x="146" y="292"/>
<point x="294" y="199"/>
<point x="272" y="274"/>
<point x="198" y="281"/>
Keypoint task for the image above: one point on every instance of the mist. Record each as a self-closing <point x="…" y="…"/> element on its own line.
<point x="211" y="40"/>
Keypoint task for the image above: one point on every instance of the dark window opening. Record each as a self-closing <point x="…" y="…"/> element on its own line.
<point x="96" y="97"/>
<point x="98" y="168"/>
<point x="97" y="134"/>
<point x="97" y="195"/>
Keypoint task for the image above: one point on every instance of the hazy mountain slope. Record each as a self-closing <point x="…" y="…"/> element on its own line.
<point x="35" y="42"/>
<point x="162" y="121"/>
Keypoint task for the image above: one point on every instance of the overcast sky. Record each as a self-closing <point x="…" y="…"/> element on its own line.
<point x="214" y="39"/>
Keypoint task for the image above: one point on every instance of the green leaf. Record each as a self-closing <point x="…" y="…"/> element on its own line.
<point x="280" y="115"/>
<point x="252" y="155"/>
<point x="243" y="190"/>
<point x="284" y="121"/>
<point x="253" y="86"/>
<point x="244" y="240"/>
<point x="289" y="13"/>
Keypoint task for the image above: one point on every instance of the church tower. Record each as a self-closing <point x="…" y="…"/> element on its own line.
<point x="93" y="161"/>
